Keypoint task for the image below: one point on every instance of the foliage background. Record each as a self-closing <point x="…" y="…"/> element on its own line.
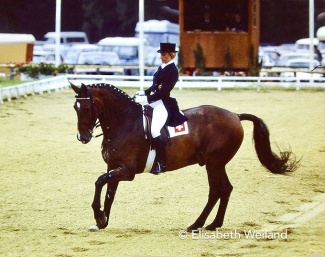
<point x="282" y="21"/>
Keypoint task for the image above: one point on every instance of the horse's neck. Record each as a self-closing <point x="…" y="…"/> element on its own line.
<point x="115" y="120"/>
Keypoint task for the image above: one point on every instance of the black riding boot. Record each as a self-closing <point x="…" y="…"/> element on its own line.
<point x="159" y="145"/>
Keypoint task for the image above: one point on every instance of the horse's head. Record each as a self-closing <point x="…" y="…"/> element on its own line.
<point x="87" y="112"/>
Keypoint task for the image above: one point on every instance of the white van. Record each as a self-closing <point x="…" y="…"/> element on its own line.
<point x="159" y="31"/>
<point x="67" y="37"/>
<point x="304" y="43"/>
<point x="126" y="48"/>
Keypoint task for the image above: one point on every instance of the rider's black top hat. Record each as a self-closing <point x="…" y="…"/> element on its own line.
<point x="167" y="48"/>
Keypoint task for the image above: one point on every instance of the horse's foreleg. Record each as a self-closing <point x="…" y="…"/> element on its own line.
<point x="111" y="178"/>
<point x="109" y="198"/>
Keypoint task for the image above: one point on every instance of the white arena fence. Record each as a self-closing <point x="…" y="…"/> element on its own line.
<point x="202" y="82"/>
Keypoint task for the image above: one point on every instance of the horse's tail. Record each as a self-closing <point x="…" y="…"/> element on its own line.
<point x="274" y="163"/>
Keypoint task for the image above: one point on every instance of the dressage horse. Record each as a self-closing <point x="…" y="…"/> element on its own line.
<point x="215" y="135"/>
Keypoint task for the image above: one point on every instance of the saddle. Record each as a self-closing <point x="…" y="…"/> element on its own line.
<point x="147" y="112"/>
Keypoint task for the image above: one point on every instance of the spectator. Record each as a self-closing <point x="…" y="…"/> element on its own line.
<point x="237" y="24"/>
<point x="207" y="23"/>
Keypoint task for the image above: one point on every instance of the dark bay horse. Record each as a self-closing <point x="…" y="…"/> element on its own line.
<point x="214" y="138"/>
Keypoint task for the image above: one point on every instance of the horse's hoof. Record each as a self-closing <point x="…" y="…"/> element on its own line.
<point x="210" y="228"/>
<point x="93" y="228"/>
<point x="193" y="228"/>
<point x="102" y="222"/>
<point x="189" y="229"/>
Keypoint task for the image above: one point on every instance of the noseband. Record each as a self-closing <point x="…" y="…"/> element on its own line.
<point x="93" y="105"/>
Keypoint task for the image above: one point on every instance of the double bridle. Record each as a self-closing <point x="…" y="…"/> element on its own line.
<point x="93" y="111"/>
<point x="93" y="105"/>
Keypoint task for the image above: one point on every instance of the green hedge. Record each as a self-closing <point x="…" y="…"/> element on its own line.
<point x="35" y="70"/>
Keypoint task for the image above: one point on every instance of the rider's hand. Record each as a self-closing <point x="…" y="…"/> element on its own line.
<point x="141" y="99"/>
<point x="141" y="93"/>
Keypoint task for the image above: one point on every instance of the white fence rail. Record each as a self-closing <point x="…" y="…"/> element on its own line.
<point x="60" y="82"/>
<point x="33" y="87"/>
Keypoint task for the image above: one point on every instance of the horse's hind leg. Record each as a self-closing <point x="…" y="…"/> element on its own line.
<point x="212" y="200"/>
<point x="223" y="188"/>
<point x="219" y="186"/>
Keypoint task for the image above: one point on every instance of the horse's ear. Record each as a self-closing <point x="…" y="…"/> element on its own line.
<point x="75" y="88"/>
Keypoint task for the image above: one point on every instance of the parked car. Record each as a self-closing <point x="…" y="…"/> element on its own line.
<point x="266" y="60"/>
<point x="267" y="63"/>
<point x="40" y="56"/>
<point x="285" y="48"/>
<point x="127" y="50"/>
<point x="271" y="51"/>
<point x="284" y="58"/>
<point x="98" y="63"/>
<point x="304" y="44"/>
<point x="301" y="63"/>
<point x="301" y="69"/>
<point x="71" y="55"/>
<point x="67" y="39"/>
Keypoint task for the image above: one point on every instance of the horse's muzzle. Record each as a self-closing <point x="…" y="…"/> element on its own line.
<point x="84" y="137"/>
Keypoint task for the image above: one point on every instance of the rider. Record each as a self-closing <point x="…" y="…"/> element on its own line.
<point x="165" y="108"/>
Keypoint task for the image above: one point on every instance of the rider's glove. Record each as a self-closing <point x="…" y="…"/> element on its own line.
<point x="141" y="93"/>
<point x="141" y="99"/>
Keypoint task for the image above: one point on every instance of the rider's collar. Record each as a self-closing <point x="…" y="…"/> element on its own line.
<point x="165" y="64"/>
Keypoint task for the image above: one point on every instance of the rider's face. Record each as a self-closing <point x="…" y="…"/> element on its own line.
<point x="165" y="57"/>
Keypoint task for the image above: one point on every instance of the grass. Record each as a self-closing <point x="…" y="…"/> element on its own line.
<point x="8" y="83"/>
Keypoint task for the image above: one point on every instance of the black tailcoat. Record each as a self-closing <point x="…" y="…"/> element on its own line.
<point x="164" y="81"/>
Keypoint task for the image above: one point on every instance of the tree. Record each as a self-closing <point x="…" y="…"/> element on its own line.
<point x="199" y="60"/>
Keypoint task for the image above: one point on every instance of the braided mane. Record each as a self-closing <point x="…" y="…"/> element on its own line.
<point x="131" y="111"/>
<point x="116" y="91"/>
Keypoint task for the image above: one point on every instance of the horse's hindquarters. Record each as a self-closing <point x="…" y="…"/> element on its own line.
<point x="213" y="133"/>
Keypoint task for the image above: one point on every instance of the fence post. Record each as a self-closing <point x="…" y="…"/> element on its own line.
<point x="180" y="82"/>
<point x="1" y="100"/>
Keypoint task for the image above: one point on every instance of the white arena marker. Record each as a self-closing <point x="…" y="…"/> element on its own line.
<point x="311" y="214"/>
<point x="305" y="212"/>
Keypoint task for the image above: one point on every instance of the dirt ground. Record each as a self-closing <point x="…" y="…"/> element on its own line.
<point x="47" y="185"/>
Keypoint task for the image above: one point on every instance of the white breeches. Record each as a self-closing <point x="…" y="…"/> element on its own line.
<point x="159" y="117"/>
